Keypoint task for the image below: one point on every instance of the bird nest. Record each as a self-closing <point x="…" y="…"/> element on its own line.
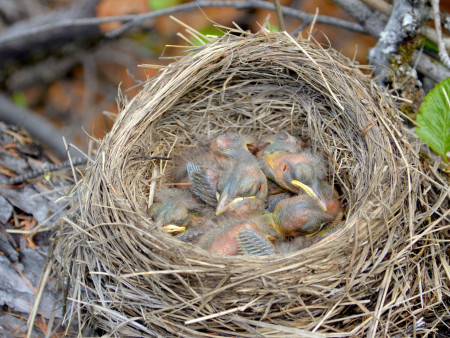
<point x="128" y="278"/>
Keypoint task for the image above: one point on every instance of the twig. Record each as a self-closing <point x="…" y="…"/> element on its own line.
<point x="300" y="27"/>
<point x="427" y="32"/>
<point x="42" y="283"/>
<point x="132" y="20"/>
<point x="253" y="4"/>
<point x="430" y="67"/>
<point x="47" y="71"/>
<point x="375" y="27"/>
<point x="381" y="6"/>
<point x="403" y="23"/>
<point x="276" y="3"/>
<point x="437" y="23"/>
<point x="21" y="40"/>
<point x="37" y="126"/>
<point x="372" y="21"/>
<point x="47" y="167"/>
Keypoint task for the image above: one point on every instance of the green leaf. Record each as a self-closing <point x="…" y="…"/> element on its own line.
<point x="430" y="45"/>
<point x="19" y="99"/>
<point x="434" y="119"/>
<point x="161" y="4"/>
<point x="211" y="30"/>
<point x="207" y="30"/>
<point x="272" y="28"/>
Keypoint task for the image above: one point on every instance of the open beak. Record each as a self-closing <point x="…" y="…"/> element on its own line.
<point x="310" y="192"/>
<point x="172" y="228"/>
<point x="224" y="203"/>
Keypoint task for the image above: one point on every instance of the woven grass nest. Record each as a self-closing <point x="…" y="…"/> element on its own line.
<point x="128" y="278"/>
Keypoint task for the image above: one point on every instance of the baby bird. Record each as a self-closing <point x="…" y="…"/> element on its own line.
<point x="297" y="216"/>
<point x="229" y="159"/>
<point x="232" y="146"/>
<point x="242" y="188"/>
<point x="295" y="169"/>
<point x="199" y="227"/>
<point x="278" y="142"/>
<point x="174" y="211"/>
<point x="238" y="186"/>
<point x="233" y="236"/>
<point x="298" y="243"/>
<point x="331" y="198"/>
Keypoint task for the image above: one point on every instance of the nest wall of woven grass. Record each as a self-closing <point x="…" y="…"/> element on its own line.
<point x="132" y="279"/>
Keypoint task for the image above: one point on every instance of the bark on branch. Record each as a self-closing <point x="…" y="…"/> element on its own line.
<point x="25" y="38"/>
<point x="403" y="23"/>
<point x="80" y="24"/>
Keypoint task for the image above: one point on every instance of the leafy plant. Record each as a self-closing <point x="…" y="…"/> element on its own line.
<point x="272" y="28"/>
<point x="434" y="119"/>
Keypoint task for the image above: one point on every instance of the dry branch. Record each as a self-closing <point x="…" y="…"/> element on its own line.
<point x="372" y="21"/>
<point x="403" y="23"/>
<point x="25" y="38"/>
<point x="80" y="23"/>
<point x="38" y="127"/>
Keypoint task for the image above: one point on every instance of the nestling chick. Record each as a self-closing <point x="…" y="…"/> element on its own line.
<point x="174" y="210"/>
<point x="239" y="186"/>
<point x="242" y="188"/>
<point x="298" y="243"/>
<point x="226" y="239"/>
<point x="331" y="198"/>
<point x="231" y="146"/>
<point x="296" y="216"/>
<point x="296" y="172"/>
<point x="279" y="142"/>
<point x="199" y="226"/>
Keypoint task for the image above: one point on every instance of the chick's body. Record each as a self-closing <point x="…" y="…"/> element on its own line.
<point x="227" y="238"/>
<point x="296" y="216"/>
<point x="298" y="243"/>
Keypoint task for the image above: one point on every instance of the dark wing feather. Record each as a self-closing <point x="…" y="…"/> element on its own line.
<point x="252" y="243"/>
<point x="203" y="185"/>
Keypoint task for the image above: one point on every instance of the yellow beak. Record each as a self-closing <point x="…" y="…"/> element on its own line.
<point x="172" y="228"/>
<point x="310" y="192"/>
<point x="224" y="205"/>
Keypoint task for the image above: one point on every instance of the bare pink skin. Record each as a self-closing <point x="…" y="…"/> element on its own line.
<point x="280" y="167"/>
<point x="226" y="244"/>
<point x="230" y="145"/>
<point x="334" y="205"/>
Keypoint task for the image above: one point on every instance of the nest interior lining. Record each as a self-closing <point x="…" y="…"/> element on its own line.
<point x="134" y="279"/>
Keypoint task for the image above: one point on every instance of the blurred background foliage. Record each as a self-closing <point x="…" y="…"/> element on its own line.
<point x="76" y="86"/>
<point x="82" y="92"/>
